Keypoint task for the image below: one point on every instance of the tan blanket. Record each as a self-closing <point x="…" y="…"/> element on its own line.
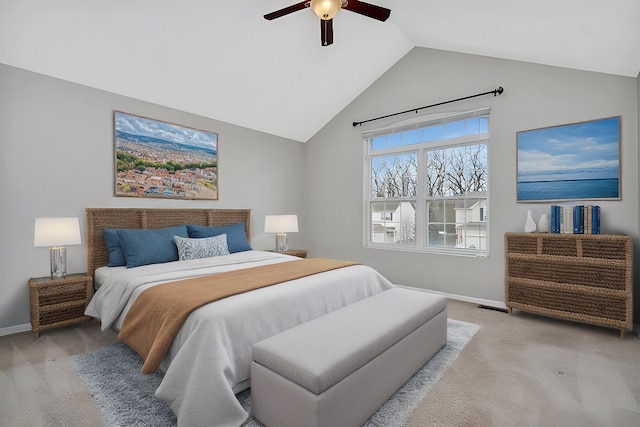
<point x="158" y="313"/>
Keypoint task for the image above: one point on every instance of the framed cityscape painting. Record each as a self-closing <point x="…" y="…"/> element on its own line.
<point x="570" y="162"/>
<point x="164" y="160"/>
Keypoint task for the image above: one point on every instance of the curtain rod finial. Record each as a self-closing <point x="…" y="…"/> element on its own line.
<point x="498" y="91"/>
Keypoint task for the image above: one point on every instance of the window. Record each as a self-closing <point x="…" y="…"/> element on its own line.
<point x="426" y="185"/>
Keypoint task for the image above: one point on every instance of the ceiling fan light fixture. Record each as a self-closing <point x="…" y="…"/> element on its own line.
<point x="326" y="9"/>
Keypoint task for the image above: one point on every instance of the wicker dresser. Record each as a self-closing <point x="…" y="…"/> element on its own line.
<point x="582" y="277"/>
<point x="59" y="302"/>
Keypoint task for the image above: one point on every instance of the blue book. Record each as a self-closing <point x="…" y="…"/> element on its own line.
<point x="595" y="220"/>
<point x="581" y="224"/>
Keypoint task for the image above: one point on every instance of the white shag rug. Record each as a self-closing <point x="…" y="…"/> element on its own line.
<point x="126" y="397"/>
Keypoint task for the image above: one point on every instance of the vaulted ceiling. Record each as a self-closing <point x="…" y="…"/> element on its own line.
<point x="223" y="60"/>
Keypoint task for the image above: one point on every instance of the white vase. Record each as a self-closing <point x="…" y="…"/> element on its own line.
<point x="530" y="225"/>
<point x="543" y="224"/>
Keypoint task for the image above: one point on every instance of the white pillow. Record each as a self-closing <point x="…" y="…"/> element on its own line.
<point x="201" y="248"/>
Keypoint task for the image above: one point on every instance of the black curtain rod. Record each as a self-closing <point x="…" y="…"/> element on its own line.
<point x="495" y="92"/>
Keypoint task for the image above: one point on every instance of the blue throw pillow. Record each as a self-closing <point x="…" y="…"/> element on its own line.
<point x="236" y="236"/>
<point x="150" y="246"/>
<point x="116" y="256"/>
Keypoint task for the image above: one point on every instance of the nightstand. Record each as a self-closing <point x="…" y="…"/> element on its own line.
<point x="59" y="302"/>
<point x="300" y="253"/>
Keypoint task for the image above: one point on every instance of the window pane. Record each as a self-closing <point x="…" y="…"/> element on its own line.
<point x="386" y="141"/>
<point x="450" y="235"/>
<point x="471" y="225"/>
<point x="413" y="136"/>
<point x="394" y="140"/>
<point x="455" y="129"/>
<point x="436" y="173"/>
<point x="441" y="223"/>
<point x="393" y="222"/>
<point x="457" y="223"/>
<point x="450" y="211"/>
<point x="472" y="126"/>
<point x="436" y="235"/>
<point x="378" y="142"/>
<point x="484" y="124"/>
<point x="457" y="171"/>
<point x="436" y="211"/>
<point x="433" y="133"/>
<point x="394" y="175"/>
<point x="476" y="165"/>
<point x="473" y="236"/>
<point x="405" y="233"/>
<point x="442" y="235"/>
<point x="441" y="211"/>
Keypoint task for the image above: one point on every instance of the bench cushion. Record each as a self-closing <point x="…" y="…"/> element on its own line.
<point x="318" y="354"/>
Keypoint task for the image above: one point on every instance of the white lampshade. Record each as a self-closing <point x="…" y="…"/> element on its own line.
<point x="57" y="232"/>
<point x="281" y="223"/>
<point x="326" y="9"/>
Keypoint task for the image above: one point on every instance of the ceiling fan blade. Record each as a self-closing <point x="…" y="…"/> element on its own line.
<point x="366" y="9"/>
<point x="326" y="31"/>
<point x="287" y="10"/>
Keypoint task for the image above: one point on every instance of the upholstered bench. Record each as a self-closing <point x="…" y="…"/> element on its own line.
<point x="338" y="369"/>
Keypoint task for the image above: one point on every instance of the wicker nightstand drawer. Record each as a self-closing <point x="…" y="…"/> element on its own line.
<point x="59" y="302"/>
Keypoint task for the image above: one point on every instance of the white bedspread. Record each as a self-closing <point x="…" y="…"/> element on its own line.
<point x="209" y="360"/>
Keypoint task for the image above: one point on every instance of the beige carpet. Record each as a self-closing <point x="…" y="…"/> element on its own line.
<point x="523" y="370"/>
<point x="528" y="370"/>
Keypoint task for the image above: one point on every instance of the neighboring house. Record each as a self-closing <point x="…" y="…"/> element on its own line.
<point x="473" y="220"/>
<point x="396" y="224"/>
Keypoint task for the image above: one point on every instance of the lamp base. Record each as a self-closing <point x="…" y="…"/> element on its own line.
<point x="282" y="242"/>
<point x="58" y="262"/>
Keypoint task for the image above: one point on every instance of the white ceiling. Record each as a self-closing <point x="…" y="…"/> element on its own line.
<point x="221" y="59"/>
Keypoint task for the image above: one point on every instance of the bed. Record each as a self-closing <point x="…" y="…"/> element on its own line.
<point x="208" y="361"/>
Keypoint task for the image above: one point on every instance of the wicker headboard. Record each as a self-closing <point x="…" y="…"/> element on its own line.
<point x="99" y="218"/>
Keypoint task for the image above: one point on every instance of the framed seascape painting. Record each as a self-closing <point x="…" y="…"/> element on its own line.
<point x="164" y="160"/>
<point x="570" y="162"/>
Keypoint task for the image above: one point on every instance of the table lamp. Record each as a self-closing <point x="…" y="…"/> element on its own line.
<point x="56" y="233"/>
<point x="281" y="225"/>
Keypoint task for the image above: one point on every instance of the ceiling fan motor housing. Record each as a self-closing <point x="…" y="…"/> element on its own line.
<point x="326" y="9"/>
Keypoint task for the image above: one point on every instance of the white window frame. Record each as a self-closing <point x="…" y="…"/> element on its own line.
<point x="420" y="200"/>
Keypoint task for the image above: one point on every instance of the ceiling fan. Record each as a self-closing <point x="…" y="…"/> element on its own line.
<point x="327" y="9"/>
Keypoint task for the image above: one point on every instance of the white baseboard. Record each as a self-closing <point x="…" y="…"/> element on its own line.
<point x="15" y="329"/>
<point x="479" y="301"/>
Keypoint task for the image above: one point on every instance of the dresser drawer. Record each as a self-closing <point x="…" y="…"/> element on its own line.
<point x="573" y="299"/>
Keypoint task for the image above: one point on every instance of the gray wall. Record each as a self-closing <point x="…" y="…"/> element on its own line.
<point x="535" y="96"/>
<point x="56" y="159"/>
